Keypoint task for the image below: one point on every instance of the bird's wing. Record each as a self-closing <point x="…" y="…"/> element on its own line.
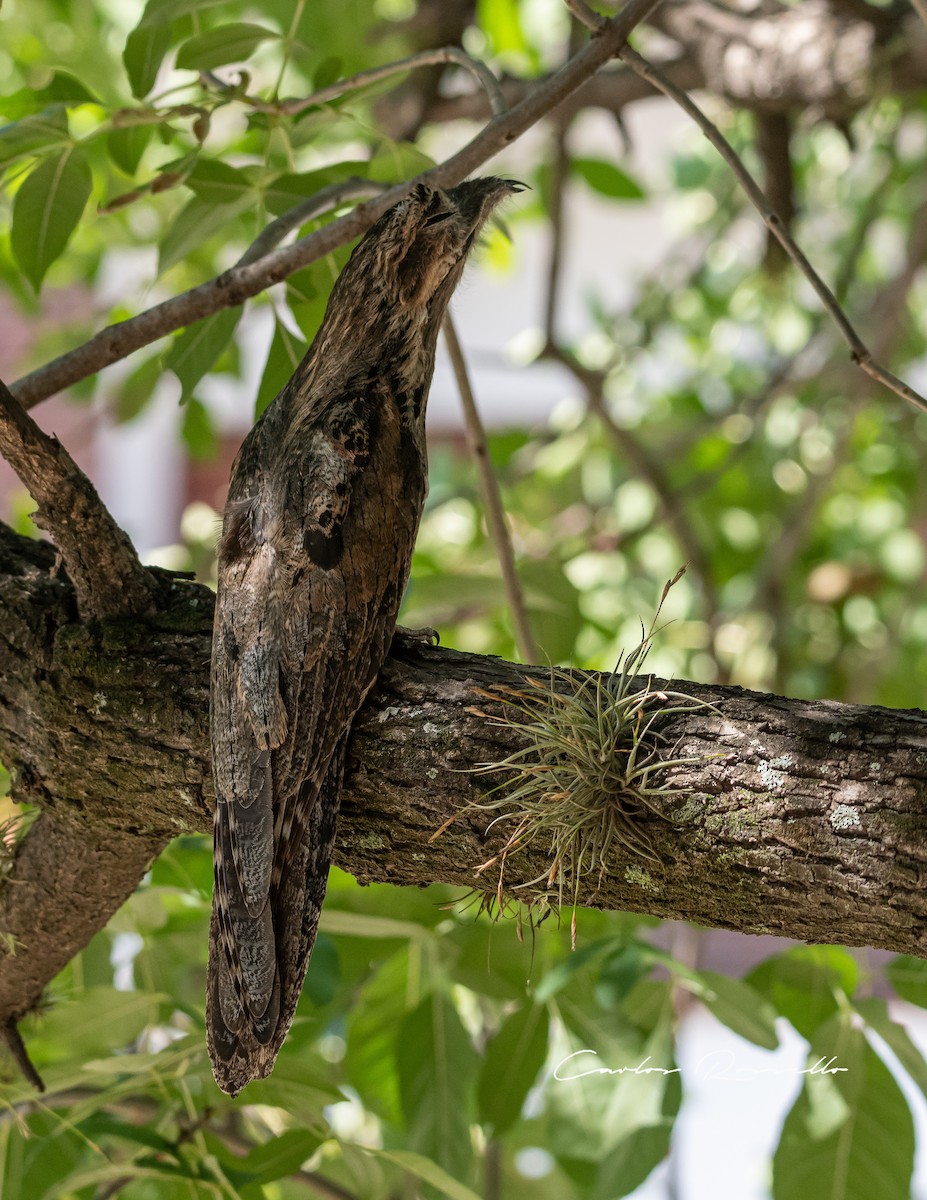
<point x="277" y="626"/>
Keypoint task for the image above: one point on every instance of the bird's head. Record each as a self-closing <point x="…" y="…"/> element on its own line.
<point x="415" y="253"/>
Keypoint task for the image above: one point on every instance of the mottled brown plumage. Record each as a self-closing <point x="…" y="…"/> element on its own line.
<point x="323" y="507"/>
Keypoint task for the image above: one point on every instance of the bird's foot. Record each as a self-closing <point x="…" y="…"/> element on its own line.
<point x="409" y="641"/>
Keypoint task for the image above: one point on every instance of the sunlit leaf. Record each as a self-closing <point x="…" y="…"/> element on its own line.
<point x="607" y="179"/>
<point x="284" y="356"/>
<point x="738" y="1006"/>
<point x="908" y="976"/>
<point x="127" y="144"/>
<point x="196" y="221"/>
<point x="34" y="133"/>
<point x="46" y="211"/>
<point x="224" y="44"/>
<point x="428" y="1172"/>
<point x="144" y="51"/>
<point x="850" y="1110"/>
<point x="196" y="350"/>
<point x="198" y="430"/>
<point x="512" y="1062"/>
<point x="215" y="182"/>
<point x="437" y="1068"/>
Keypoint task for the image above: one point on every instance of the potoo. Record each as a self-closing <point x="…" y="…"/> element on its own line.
<point x="323" y="507"/>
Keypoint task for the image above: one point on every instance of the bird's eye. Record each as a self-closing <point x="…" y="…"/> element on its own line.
<point x="439" y="216"/>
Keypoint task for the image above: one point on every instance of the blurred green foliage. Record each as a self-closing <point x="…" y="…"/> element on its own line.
<point x="724" y="427"/>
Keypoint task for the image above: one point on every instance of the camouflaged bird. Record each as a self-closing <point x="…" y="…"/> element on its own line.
<point x="323" y="508"/>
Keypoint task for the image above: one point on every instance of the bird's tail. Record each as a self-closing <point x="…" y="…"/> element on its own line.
<point x="241" y="1049"/>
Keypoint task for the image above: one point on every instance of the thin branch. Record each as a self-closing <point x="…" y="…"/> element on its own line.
<point x="239" y="284"/>
<point x="10" y="1035"/>
<point x="101" y="561"/>
<point x="920" y="7"/>
<point x="427" y="58"/>
<point x="307" y="210"/>
<point x="585" y="15"/>
<point x="858" y="350"/>
<point x="492" y="498"/>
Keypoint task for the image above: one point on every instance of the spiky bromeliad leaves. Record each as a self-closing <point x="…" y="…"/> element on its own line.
<point x="323" y="508"/>
<point x="589" y="768"/>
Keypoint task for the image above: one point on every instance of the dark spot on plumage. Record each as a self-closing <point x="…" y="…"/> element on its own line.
<point x="418" y="398"/>
<point x="325" y="519"/>
<point x="297" y="576"/>
<point x="341" y="489"/>
<point x="324" y="548"/>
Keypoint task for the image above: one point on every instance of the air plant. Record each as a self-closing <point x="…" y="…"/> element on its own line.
<point x="589" y="769"/>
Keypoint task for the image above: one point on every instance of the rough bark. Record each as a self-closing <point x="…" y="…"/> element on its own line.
<point x="807" y="819"/>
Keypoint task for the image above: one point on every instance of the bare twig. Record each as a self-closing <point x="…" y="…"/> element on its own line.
<point x="858" y="350"/>
<point x="307" y="210"/>
<point x="234" y="287"/>
<point x="920" y="7"/>
<point x="492" y="498"/>
<point x="10" y="1035"/>
<point x="427" y="58"/>
<point x="108" y="578"/>
<point x="585" y="15"/>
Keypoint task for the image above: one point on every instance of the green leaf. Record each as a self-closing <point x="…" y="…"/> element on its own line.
<point x="607" y="179"/>
<point x="63" y="89"/>
<point x="427" y="1171"/>
<point x="501" y="21"/>
<point x="874" y="1012"/>
<point x="98" y="1021"/>
<point x="372" y="1029"/>
<point x="215" y="182"/>
<point x="46" y="210"/>
<point x="33" y="133"/>
<point x="620" y="973"/>
<point x="564" y="972"/>
<point x="196" y="350"/>
<point x="396" y="161"/>
<point x="288" y="189"/>
<point x="281" y="1156"/>
<point x="127" y="144"/>
<point x="437" y="1066"/>
<point x="197" y="221"/>
<point x="803" y="983"/>
<point x="286" y="352"/>
<point x="368" y="925"/>
<point x="512" y="1062"/>
<point x="849" y="1135"/>
<point x="198" y="431"/>
<point x="740" y="1007"/>
<point x="224" y="44"/>
<point x="489" y="959"/>
<point x="161" y="11"/>
<point x="908" y="976"/>
<point x="144" y="51"/>
<point x="328" y="70"/>
<point x="630" y="1163"/>
<point x="137" y="388"/>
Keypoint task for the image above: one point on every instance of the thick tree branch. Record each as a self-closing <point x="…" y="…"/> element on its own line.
<point x="101" y="561"/>
<point x="239" y="284"/>
<point x="804" y="819"/>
